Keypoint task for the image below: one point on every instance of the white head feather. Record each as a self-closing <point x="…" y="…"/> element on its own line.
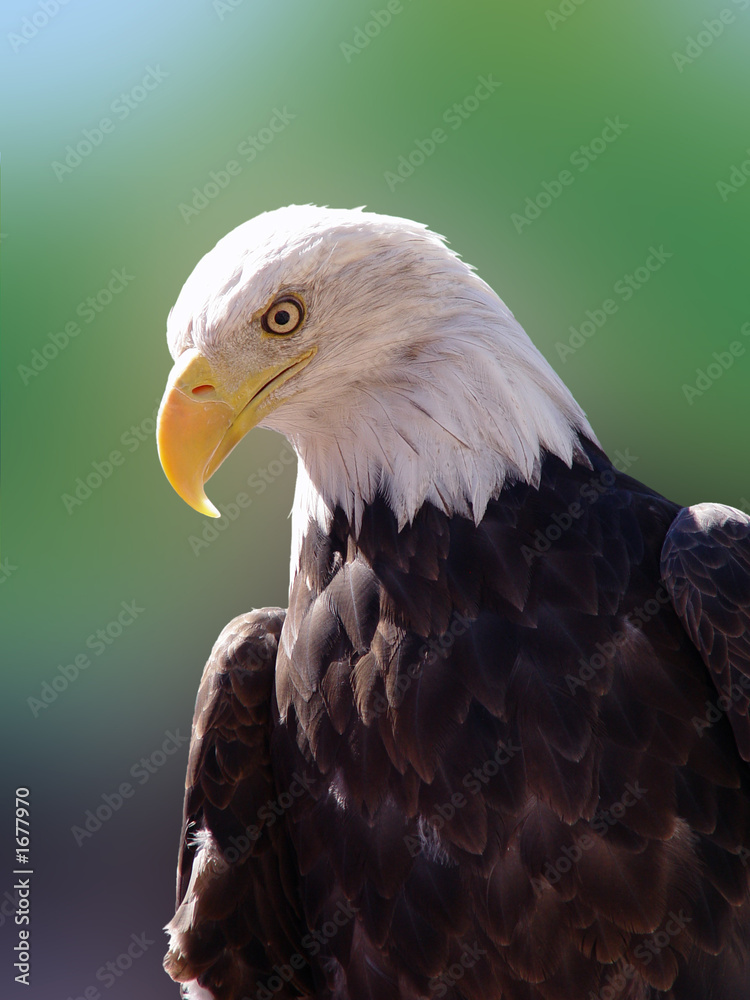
<point x="424" y="386"/>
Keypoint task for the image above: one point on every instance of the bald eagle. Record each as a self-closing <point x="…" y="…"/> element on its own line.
<point x="495" y="748"/>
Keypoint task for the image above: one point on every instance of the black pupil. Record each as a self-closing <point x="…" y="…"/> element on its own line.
<point x="282" y="317"/>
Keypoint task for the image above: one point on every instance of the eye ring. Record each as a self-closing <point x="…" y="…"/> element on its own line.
<point x="284" y="316"/>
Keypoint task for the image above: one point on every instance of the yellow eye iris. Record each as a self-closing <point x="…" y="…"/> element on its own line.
<point x="284" y="316"/>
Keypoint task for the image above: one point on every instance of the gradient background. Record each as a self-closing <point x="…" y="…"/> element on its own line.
<point x="67" y="573"/>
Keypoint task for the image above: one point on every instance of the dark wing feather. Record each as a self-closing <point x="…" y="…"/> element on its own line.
<point x="706" y="569"/>
<point x="238" y="894"/>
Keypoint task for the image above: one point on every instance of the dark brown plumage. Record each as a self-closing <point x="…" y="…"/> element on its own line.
<point x="481" y="761"/>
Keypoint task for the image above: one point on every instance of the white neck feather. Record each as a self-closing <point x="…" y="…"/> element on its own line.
<point x="472" y="411"/>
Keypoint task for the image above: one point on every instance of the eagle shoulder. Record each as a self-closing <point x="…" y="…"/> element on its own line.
<point x="705" y="565"/>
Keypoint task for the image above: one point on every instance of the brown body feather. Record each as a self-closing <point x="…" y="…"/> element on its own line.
<point x="480" y="762"/>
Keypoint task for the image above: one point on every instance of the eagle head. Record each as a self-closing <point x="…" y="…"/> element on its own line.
<point x="387" y="362"/>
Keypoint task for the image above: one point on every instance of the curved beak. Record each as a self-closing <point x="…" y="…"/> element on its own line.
<point x="199" y="424"/>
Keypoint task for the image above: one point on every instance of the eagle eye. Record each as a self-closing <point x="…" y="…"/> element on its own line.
<point x="284" y="316"/>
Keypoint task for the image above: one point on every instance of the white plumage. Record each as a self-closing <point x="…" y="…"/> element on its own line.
<point x="439" y="397"/>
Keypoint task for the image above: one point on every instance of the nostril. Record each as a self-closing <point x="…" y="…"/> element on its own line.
<point x="200" y="390"/>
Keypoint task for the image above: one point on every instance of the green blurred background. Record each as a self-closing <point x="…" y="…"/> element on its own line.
<point x="219" y="74"/>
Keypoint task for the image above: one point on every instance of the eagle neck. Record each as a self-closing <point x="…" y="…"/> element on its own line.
<point x="447" y="421"/>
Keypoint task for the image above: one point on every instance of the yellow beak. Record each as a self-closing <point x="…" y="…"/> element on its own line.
<point x="199" y="424"/>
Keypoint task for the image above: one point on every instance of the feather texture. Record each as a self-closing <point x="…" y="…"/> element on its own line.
<point x="495" y="776"/>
